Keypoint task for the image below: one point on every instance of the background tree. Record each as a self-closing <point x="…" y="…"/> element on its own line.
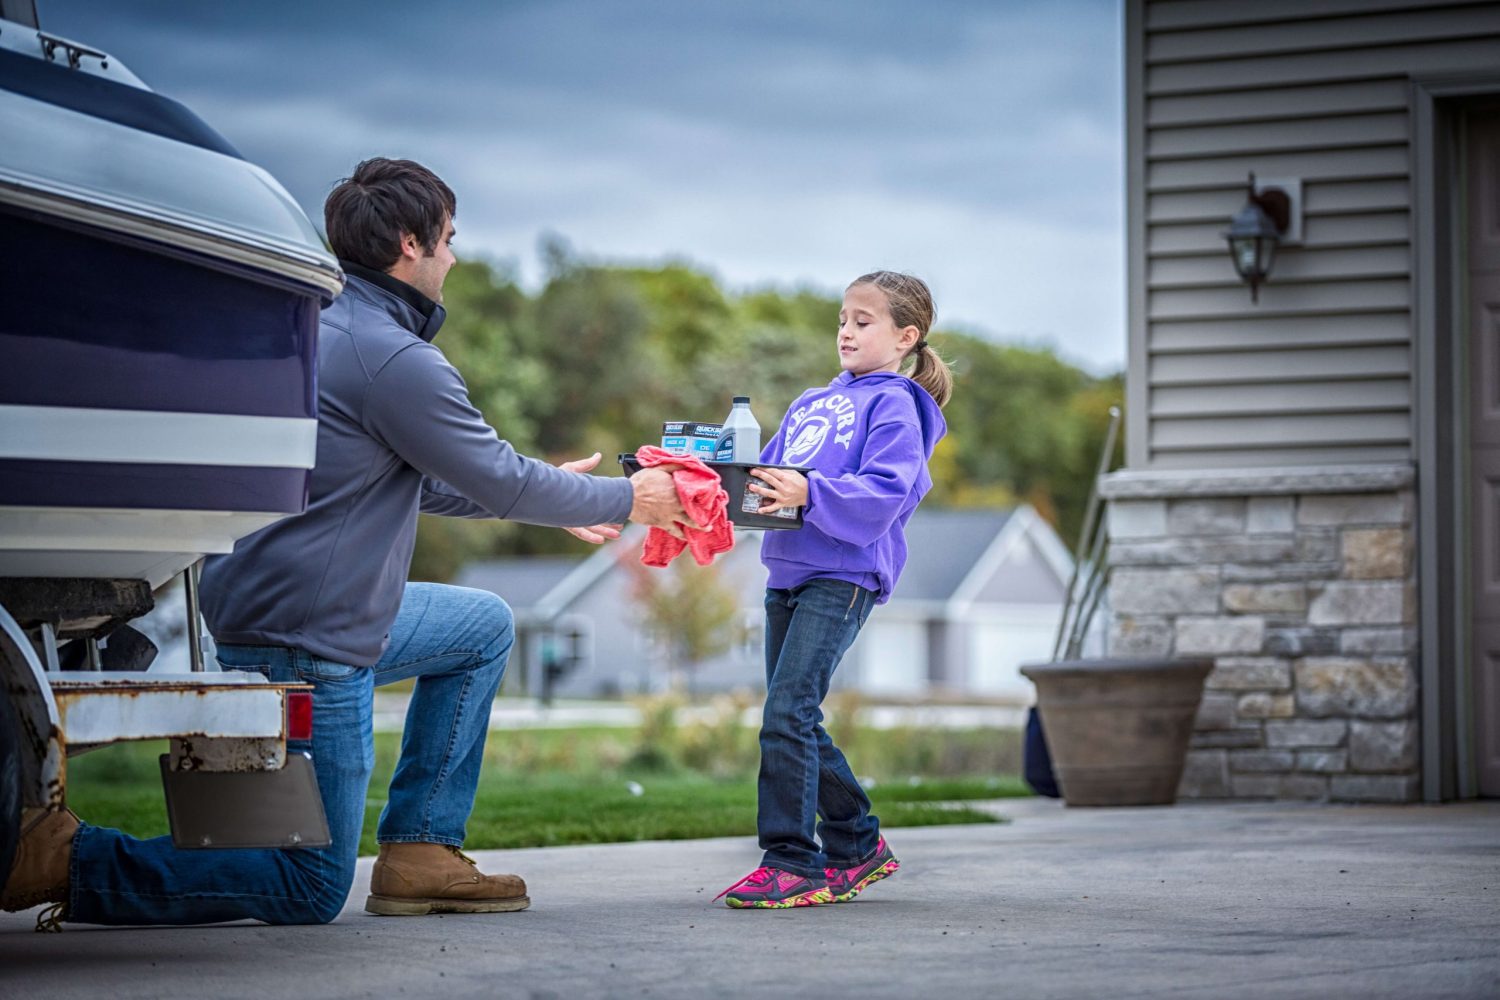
<point x="601" y="355"/>
<point x="691" y="611"/>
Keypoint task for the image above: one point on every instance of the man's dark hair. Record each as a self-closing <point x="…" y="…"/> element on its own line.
<point x="368" y="212"/>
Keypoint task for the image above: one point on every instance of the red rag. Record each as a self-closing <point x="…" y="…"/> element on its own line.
<point x="703" y="497"/>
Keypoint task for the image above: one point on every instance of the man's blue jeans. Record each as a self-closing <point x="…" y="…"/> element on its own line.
<point x="802" y="774"/>
<point x="455" y="642"/>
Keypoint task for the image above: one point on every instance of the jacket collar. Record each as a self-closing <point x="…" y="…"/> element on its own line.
<point x="414" y="311"/>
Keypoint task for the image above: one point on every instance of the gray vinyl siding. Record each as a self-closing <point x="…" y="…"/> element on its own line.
<point x="1320" y="371"/>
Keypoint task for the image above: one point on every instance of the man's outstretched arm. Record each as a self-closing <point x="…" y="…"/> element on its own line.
<point x="419" y="407"/>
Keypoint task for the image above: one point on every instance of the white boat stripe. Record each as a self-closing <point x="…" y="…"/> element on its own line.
<point x="79" y="434"/>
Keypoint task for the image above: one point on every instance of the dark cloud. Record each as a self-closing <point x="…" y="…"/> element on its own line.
<point x="772" y="141"/>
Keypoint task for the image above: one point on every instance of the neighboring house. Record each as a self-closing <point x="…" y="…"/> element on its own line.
<point x="1312" y="491"/>
<point x="981" y="594"/>
<point x="541" y="636"/>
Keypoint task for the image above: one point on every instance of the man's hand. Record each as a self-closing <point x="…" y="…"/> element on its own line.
<point x="597" y="534"/>
<point x="657" y="504"/>
<point x="581" y="464"/>
<point x="784" y="488"/>
<point x="594" y="534"/>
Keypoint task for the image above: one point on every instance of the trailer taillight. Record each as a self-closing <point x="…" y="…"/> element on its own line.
<point x="299" y="715"/>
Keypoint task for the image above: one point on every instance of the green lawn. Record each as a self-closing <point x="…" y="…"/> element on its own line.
<point x="549" y="787"/>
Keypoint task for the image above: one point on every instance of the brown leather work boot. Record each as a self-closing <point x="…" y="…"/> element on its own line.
<point x="39" y="873"/>
<point x="413" y="879"/>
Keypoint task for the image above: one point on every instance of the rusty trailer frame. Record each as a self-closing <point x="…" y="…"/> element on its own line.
<point x="230" y="722"/>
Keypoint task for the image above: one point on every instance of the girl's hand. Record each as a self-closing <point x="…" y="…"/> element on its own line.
<point x="784" y="488"/>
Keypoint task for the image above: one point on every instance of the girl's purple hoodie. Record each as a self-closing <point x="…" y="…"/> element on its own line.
<point x="867" y="441"/>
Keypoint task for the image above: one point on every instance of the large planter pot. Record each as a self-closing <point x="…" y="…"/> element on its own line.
<point x="1118" y="730"/>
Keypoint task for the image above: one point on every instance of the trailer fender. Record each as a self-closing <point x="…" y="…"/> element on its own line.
<point x="23" y="681"/>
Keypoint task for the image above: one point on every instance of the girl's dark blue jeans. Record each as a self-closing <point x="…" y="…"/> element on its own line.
<point x="802" y="774"/>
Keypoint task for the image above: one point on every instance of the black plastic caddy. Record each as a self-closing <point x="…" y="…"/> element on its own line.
<point x="743" y="502"/>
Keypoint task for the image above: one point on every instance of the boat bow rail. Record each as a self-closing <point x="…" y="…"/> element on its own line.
<point x="103" y="150"/>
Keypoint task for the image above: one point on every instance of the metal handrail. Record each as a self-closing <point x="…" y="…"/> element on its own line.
<point x="1086" y="543"/>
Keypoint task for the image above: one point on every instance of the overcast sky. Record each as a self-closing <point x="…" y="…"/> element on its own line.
<point x="978" y="145"/>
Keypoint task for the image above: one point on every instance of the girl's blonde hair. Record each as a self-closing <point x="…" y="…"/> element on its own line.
<point x="910" y="302"/>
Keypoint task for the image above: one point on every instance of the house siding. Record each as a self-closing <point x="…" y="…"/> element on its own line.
<point x="1320" y="371"/>
<point x="1027" y="580"/>
<point x="1268" y="517"/>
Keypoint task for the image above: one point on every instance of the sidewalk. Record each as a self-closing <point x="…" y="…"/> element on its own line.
<point x="1242" y="900"/>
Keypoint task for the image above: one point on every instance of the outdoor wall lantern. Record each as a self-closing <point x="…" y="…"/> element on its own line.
<point x="1271" y="217"/>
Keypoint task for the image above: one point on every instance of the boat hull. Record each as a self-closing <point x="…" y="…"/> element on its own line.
<point x="155" y="404"/>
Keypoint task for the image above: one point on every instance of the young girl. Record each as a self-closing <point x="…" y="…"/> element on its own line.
<point x="866" y="437"/>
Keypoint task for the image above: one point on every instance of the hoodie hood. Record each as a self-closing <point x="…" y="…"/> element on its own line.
<point x="928" y="411"/>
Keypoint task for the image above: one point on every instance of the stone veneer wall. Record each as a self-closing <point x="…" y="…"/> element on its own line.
<point x="1300" y="585"/>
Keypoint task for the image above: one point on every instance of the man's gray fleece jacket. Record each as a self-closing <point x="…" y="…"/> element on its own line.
<point x="396" y="435"/>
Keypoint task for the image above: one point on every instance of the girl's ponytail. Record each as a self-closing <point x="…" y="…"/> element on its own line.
<point x="910" y="301"/>
<point x="932" y="373"/>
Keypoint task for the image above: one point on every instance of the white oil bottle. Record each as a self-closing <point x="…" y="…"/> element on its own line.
<point x="739" y="441"/>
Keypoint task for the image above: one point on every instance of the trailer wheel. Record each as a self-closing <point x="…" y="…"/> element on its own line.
<point x="10" y="785"/>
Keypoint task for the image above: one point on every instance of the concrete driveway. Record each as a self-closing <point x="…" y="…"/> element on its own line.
<point x="1244" y="900"/>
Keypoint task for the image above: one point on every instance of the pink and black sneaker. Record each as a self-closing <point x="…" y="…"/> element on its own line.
<point x="774" y="889"/>
<point x="846" y="883"/>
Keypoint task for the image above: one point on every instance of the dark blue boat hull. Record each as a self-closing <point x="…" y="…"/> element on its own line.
<point x="105" y="322"/>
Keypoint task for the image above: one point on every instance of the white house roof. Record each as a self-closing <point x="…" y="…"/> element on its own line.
<point x="523" y="582"/>
<point x="942" y="547"/>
